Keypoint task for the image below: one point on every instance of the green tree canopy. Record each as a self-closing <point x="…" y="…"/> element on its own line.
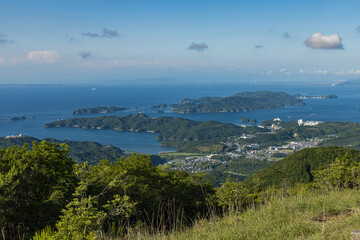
<point x="34" y="186"/>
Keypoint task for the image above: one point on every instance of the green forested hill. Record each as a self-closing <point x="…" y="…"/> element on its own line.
<point x="79" y="151"/>
<point x="299" y="167"/>
<point x="244" y="101"/>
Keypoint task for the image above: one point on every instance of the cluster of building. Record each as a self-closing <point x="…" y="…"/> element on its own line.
<point x="195" y="164"/>
<point x="310" y="143"/>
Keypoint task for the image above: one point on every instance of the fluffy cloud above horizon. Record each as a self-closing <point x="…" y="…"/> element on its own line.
<point x="320" y="41"/>
<point x="49" y="56"/>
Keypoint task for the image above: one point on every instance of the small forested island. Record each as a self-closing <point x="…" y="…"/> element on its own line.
<point x="331" y="96"/>
<point x="239" y="102"/>
<point x="161" y="105"/>
<point x="17" y="118"/>
<point x="85" y="111"/>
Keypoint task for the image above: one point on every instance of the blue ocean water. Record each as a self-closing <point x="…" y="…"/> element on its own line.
<point x="48" y="103"/>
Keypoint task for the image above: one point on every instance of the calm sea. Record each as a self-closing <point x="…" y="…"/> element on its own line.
<point x="48" y="103"/>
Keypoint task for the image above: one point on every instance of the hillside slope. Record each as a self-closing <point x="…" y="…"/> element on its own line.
<point x="315" y="215"/>
<point x="299" y="167"/>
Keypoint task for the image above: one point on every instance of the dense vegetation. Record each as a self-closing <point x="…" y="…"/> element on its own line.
<point x="299" y="167"/>
<point x="128" y="197"/>
<point x="35" y="184"/>
<point x="84" y="111"/>
<point x="240" y="102"/>
<point x="40" y="186"/>
<point x="79" y="151"/>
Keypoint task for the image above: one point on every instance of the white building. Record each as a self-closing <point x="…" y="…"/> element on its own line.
<point x="308" y="123"/>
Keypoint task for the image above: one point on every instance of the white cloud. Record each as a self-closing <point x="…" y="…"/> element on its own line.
<point x="354" y="72"/>
<point x="284" y="71"/>
<point x="49" y="56"/>
<point x="301" y="71"/>
<point x="318" y="40"/>
<point x="351" y="72"/>
<point x="320" y="72"/>
<point x="269" y="72"/>
<point x="340" y="73"/>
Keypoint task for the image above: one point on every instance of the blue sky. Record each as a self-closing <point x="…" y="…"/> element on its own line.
<point x="47" y="41"/>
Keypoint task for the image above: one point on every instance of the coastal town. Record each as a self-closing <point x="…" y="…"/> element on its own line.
<point x="195" y="164"/>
